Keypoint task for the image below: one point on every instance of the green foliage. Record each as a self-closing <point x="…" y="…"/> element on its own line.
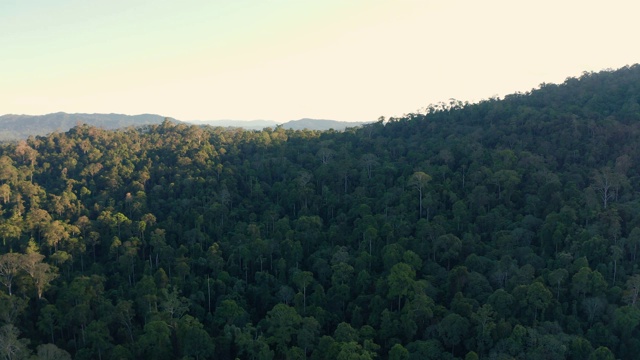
<point x="503" y="229"/>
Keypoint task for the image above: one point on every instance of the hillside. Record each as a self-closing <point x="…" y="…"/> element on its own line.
<point x="506" y="229"/>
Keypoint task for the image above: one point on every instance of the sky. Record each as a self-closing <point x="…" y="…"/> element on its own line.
<point x="348" y="60"/>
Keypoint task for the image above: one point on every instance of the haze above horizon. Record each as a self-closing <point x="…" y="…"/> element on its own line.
<point x="289" y="59"/>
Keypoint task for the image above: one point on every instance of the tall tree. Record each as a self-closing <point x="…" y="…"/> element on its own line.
<point x="419" y="180"/>
<point x="10" y="264"/>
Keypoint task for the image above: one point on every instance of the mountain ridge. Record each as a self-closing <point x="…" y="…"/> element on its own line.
<point x="20" y="126"/>
<point x="15" y="127"/>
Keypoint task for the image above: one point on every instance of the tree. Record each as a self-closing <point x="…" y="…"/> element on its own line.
<point x="593" y="307"/>
<point x="10" y="264"/>
<point x="580" y="348"/>
<point x="228" y="313"/>
<point x="10" y="346"/>
<point x="633" y="242"/>
<point x="354" y="351"/>
<point x="471" y="355"/>
<point x="453" y="329"/>
<point x="308" y="334"/>
<point x="625" y="320"/>
<point x="197" y="343"/>
<point x="420" y="307"/>
<point x="26" y="152"/>
<point x="369" y="161"/>
<point x="485" y="317"/>
<point x="538" y="297"/>
<point x="604" y="183"/>
<point x="586" y="282"/>
<point x="54" y="233"/>
<point x="9" y="230"/>
<point x="41" y="273"/>
<point x="345" y="333"/>
<point x="460" y="213"/>
<point x="446" y="248"/>
<point x="48" y="321"/>
<point x="98" y="338"/>
<point x="398" y="352"/>
<point x="426" y="350"/>
<point x="251" y="344"/>
<point x="281" y="323"/>
<point x="505" y="180"/>
<point x="155" y="342"/>
<point x="124" y="314"/>
<point x="419" y="180"/>
<point x="400" y="279"/>
<point x="602" y="353"/>
<point x="302" y="279"/>
<point x="52" y="352"/>
<point x="485" y="320"/>
<point x="8" y="172"/>
<point x="174" y="306"/>
<point x="557" y="277"/>
<point x="633" y="290"/>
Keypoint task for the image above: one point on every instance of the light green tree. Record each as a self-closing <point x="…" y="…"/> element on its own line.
<point x="419" y="180"/>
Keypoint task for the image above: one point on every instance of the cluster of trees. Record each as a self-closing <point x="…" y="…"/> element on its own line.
<point x="506" y="229"/>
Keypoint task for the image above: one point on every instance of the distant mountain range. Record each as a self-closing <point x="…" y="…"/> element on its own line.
<point x="15" y="127"/>
<point x="310" y="124"/>
<point x="318" y="124"/>
<point x="245" y="124"/>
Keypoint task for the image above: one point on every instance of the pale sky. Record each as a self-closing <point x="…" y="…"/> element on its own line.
<point x="350" y="60"/>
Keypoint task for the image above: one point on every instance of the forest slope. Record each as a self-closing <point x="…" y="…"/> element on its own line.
<point x="503" y="229"/>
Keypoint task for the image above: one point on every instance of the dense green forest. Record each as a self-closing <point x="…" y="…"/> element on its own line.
<point x="506" y="229"/>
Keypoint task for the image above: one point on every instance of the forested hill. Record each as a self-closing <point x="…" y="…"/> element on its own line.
<point x="507" y="229"/>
